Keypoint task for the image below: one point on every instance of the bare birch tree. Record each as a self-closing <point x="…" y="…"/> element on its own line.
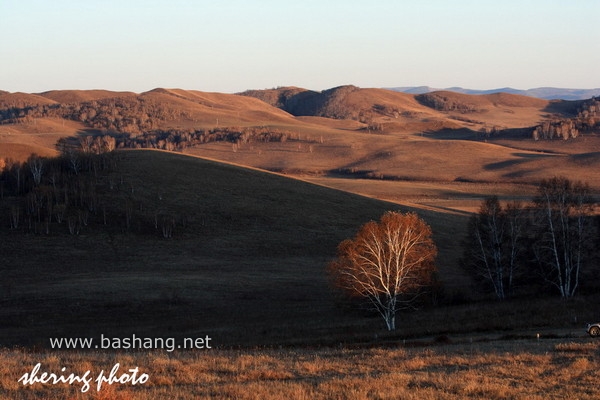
<point x="388" y="262"/>
<point x="494" y="243"/>
<point x="564" y="231"/>
<point x="36" y="166"/>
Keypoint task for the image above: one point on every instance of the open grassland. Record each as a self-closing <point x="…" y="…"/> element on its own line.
<point x="413" y="158"/>
<point x="247" y="265"/>
<point x="18" y="142"/>
<point x="528" y="368"/>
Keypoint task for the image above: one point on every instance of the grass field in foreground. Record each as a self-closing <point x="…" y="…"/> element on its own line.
<point x="516" y="369"/>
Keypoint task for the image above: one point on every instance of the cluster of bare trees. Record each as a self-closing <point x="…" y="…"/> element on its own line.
<point x="179" y="139"/>
<point x="131" y="115"/>
<point x="41" y="193"/>
<point x="561" y="129"/>
<point x="77" y="191"/>
<point x="546" y="243"/>
<point x="440" y="102"/>
<point x="586" y="120"/>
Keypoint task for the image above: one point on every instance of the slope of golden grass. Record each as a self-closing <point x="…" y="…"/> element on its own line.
<point x="368" y="97"/>
<point x="523" y="369"/>
<point x="401" y="157"/>
<point x="18" y="141"/>
<point x="21" y="100"/>
<point x="498" y="110"/>
<point x="209" y="110"/>
<point x="78" y="96"/>
<point x="22" y="151"/>
<point x="487" y="101"/>
<point x="515" y="100"/>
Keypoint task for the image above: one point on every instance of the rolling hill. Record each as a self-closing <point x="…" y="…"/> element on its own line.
<point x="439" y="136"/>
<point x="396" y="110"/>
<point x="246" y="267"/>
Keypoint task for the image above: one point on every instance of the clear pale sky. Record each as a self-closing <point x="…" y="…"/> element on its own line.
<point x="234" y="45"/>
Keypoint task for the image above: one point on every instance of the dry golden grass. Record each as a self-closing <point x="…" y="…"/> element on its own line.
<point x="19" y="141"/>
<point x="18" y="99"/>
<point x="518" y="369"/>
<point x="76" y="96"/>
<point x="22" y="151"/>
<point x="411" y="158"/>
<point x="209" y="110"/>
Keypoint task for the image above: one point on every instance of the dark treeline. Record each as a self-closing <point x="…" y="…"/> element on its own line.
<point x="74" y="192"/>
<point x="441" y="102"/>
<point x="179" y="139"/>
<point x="550" y="244"/>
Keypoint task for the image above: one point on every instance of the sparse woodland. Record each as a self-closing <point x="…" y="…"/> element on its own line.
<point x="78" y="191"/>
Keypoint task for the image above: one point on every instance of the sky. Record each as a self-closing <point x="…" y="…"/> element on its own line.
<point x="233" y="45"/>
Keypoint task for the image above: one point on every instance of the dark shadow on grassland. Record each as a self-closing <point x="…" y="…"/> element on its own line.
<point x="565" y="108"/>
<point x="586" y="159"/>
<point x="454" y="134"/>
<point x="469" y="134"/>
<point x="247" y="269"/>
<point x="524" y="158"/>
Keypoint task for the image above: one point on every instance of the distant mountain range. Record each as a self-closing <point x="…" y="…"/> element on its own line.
<point x="547" y="93"/>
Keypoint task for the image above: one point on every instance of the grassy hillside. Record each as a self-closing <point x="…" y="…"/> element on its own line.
<point x="78" y="96"/>
<point x="245" y="264"/>
<point x="247" y="267"/>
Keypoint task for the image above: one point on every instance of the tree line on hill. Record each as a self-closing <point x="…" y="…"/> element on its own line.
<point x="179" y="139"/>
<point x="133" y="123"/>
<point x="116" y="115"/>
<point x="441" y="102"/>
<point x="75" y="192"/>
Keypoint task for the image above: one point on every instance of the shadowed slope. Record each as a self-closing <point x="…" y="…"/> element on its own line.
<point x="248" y="266"/>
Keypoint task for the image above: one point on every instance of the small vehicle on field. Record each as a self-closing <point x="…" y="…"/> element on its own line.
<point x="594" y="329"/>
